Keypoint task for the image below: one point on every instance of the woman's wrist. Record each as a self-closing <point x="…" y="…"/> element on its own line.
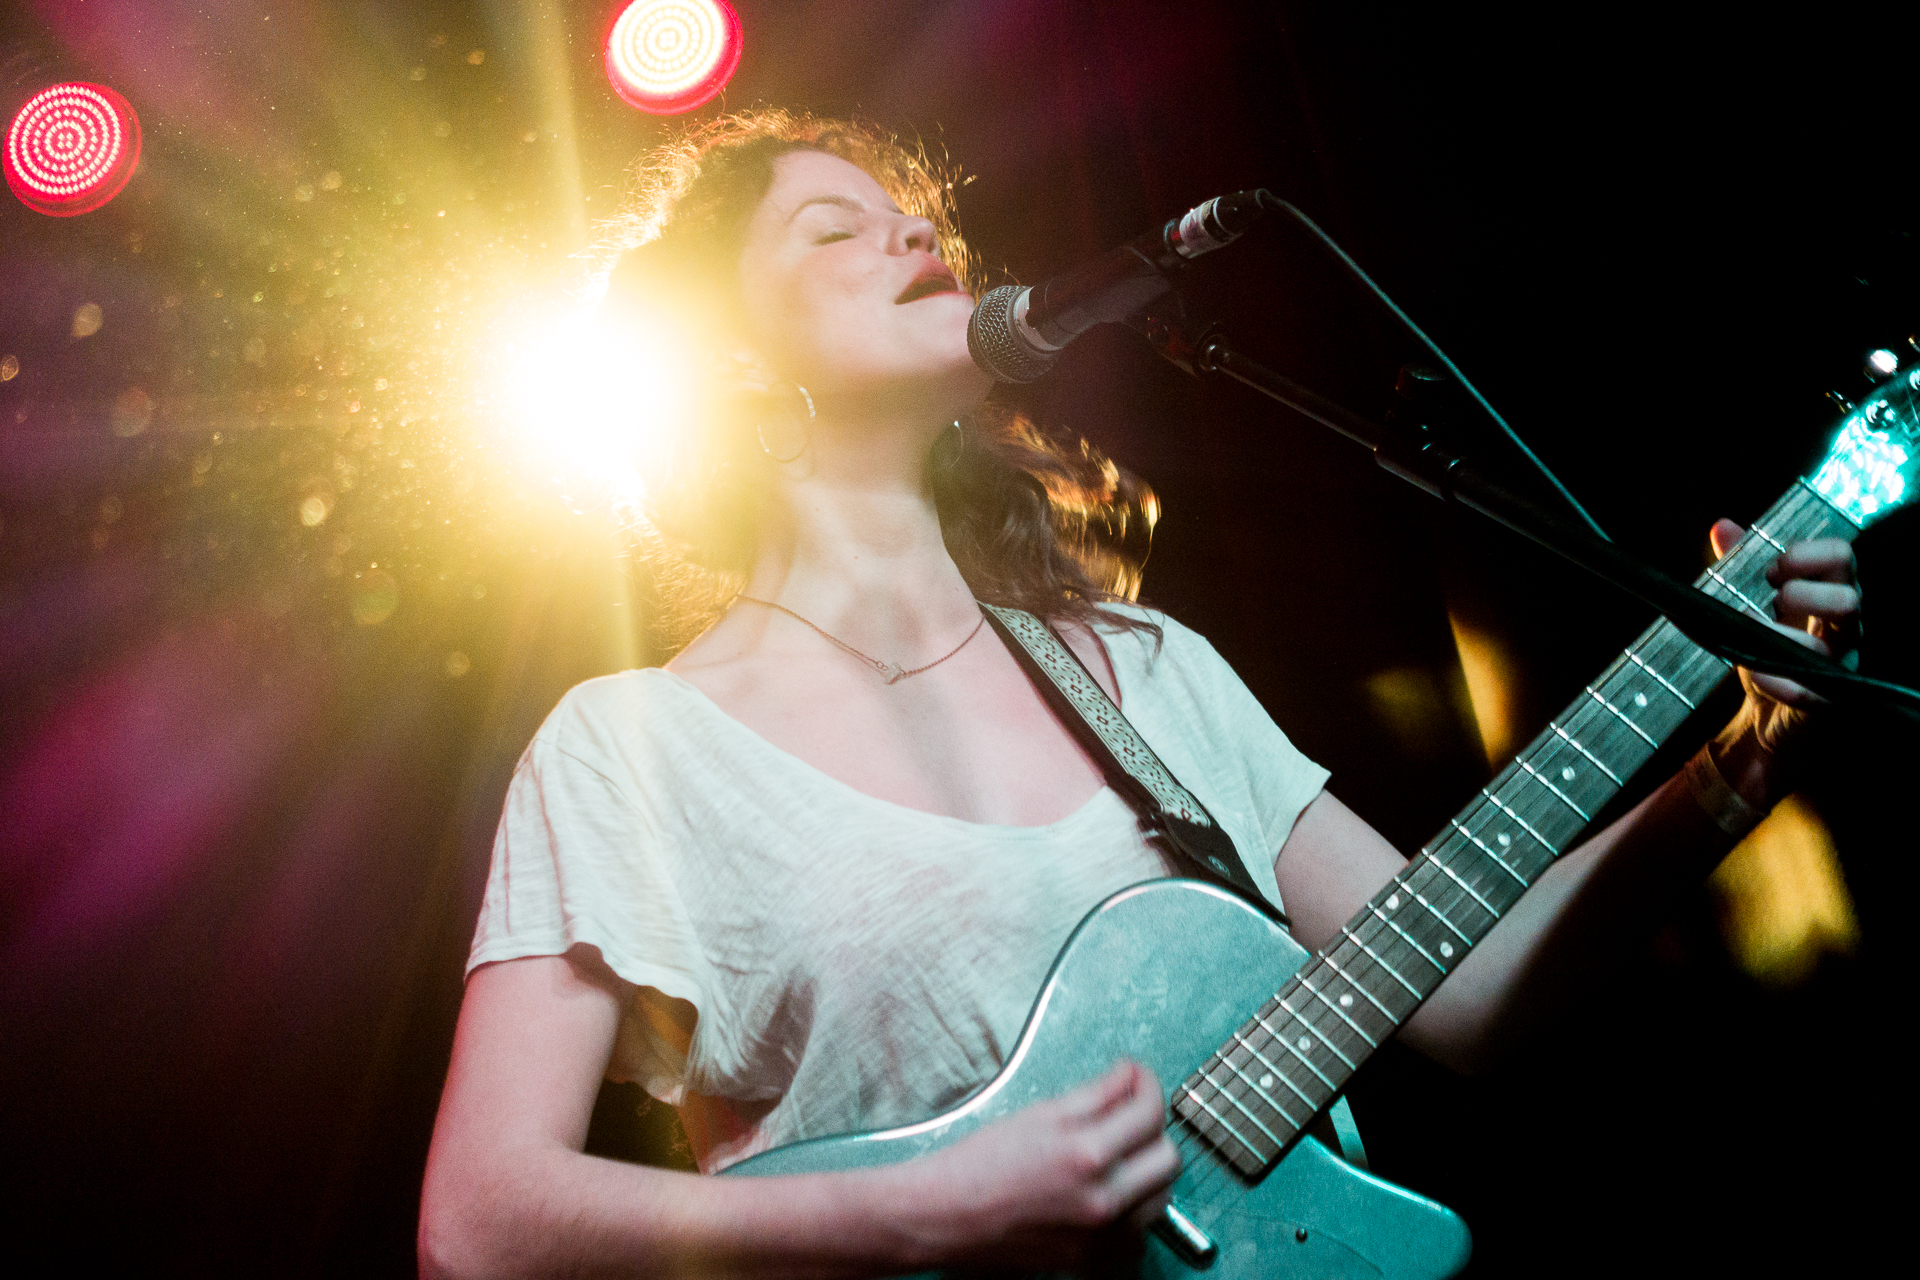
<point x="1749" y="772"/>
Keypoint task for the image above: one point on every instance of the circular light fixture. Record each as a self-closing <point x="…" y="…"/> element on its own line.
<point x="670" y="56"/>
<point x="71" y="149"/>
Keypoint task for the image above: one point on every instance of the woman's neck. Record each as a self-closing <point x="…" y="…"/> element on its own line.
<point x="853" y="541"/>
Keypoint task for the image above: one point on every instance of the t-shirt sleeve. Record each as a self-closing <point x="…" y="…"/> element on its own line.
<point x="1281" y="780"/>
<point x="576" y="863"/>
<point x="1220" y="742"/>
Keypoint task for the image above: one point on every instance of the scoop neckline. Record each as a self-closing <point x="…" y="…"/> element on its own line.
<point x="821" y="776"/>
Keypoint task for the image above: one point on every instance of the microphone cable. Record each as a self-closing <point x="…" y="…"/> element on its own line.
<point x="1268" y="200"/>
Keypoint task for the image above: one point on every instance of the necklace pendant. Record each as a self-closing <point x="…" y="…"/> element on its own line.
<point x="890" y="673"/>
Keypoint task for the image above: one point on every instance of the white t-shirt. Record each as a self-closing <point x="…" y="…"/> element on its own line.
<point x="855" y="964"/>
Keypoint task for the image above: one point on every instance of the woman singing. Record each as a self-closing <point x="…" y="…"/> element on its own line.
<point x="806" y="878"/>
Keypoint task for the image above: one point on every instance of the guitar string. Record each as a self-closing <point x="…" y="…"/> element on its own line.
<point x="1576" y="726"/>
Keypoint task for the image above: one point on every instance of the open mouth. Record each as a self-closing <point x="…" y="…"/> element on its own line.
<point x="935" y="279"/>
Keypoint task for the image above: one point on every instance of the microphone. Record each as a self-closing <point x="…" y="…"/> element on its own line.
<point x="1017" y="332"/>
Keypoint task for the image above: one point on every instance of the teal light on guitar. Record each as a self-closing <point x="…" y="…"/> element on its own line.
<point x="1262" y="1036"/>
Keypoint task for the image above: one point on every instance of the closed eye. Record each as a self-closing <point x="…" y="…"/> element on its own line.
<point x="832" y="236"/>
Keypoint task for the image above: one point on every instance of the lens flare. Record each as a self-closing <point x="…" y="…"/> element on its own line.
<point x="592" y="398"/>
<point x="71" y="149"/>
<point x="670" y="56"/>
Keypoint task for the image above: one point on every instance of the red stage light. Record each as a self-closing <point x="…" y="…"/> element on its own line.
<point x="669" y="56"/>
<point x="71" y="149"/>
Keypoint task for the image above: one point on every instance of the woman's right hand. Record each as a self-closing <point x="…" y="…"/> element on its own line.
<point x="1063" y="1185"/>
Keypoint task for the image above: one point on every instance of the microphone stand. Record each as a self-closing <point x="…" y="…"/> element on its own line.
<point x="1420" y="460"/>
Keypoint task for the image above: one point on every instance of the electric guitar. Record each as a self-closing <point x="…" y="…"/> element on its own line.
<point x="1262" y="1036"/>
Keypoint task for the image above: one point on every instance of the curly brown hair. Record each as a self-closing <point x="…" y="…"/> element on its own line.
<point x="1035" y="519"/>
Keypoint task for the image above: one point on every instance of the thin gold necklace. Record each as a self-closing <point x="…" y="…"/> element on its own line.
<point x="888" y="671"/>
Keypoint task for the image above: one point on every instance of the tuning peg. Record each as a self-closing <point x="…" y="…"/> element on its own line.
<point x="1840" y="402"/>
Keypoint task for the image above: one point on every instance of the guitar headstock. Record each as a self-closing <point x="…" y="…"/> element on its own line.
<point x="1873" y="465"/>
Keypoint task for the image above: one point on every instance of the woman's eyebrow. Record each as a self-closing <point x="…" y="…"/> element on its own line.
<point x="845" y="202"/>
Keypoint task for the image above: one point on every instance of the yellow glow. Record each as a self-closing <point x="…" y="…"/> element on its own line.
<point x="375" y="596"/>
<point x="1783" y="899"/>
<point x="591" y="399"/>
<point x="1489" y="687"/>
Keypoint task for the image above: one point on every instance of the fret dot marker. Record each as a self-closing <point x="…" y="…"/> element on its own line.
<point x="1567" y="773"/>
<point x="1306" y="1042"/>
<point x="1266" y="1081"/>
<point x="1393" y="902"/>
<point x="1505" y="839"/>
<point x="1346" y="1001"/>
<point x="1446" y="948"/>
<point x="1639" y="699"/>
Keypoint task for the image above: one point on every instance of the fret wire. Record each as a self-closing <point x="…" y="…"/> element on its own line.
<point x="1484" y="904"/>
<point x="1817" y="497"/>
<point x="1245" y="1110"/>
<point x="1283" y="1078"/>
<point x="1622" y="717"/>
<point x="1572" y="742"/>
<point x="1497" y="859"/>
<point x="1662" y="658"/>
<point x="1348" y="938"/>
<point x="1409" y="937"/>
<point x="1442" y="918"/>
<point x="1221" y="1120"/>
<point x="1287" y="1044"/>
<point x="1541" y="779"/>
<point x="1339" y="1012"/>
<point x="1387" y="1013"/>
<point x="1745" y="570"/>
<point x="1321" y="1036"/>
<point x="1239" y="1073"/>
<point x="1740" y="595"/>
<point x="1417" y="993"/>
<point x="1593" y="731"/>
<point x="1539" y="839"/>
<point x="1636" y="660"/>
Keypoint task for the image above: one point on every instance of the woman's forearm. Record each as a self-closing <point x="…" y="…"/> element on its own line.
<point x="1592" y="907"/>
<point x="557" y="1212"/>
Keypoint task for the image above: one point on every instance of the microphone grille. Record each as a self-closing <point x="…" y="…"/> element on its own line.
<point x="994" y="345"/>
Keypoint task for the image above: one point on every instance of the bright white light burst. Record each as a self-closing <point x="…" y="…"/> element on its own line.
<point x="592" y="400"/>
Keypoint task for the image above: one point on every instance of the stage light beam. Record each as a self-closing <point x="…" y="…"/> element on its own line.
<point x="592" y="397"/>
<point x="71" y="149"/>
<point x="670" y="56"/>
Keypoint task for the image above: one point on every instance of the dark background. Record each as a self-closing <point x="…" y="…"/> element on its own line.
<point x="249" y="766"/>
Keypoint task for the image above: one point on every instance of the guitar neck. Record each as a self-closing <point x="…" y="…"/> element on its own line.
<point x="1292" y="1058"/>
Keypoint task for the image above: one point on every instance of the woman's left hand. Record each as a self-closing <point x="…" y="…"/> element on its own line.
<point x="1818" y="604"/>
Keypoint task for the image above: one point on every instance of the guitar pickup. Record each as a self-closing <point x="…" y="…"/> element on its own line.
<point x="1183" y="1235"/>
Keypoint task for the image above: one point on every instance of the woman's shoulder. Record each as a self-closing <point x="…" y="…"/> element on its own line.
<point x="1148" y="637"/>
<point x="599" y="714"/>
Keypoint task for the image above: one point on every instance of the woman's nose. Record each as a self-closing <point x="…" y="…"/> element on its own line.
<point x="912" y="233"/>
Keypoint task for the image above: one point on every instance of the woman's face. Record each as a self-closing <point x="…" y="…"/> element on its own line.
<point x="842" y="292"/>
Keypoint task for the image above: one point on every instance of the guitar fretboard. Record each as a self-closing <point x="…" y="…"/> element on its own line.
<point x="1291" y="1059"/>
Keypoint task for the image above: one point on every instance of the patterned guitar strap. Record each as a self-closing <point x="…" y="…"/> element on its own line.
<point x="1165" y="807"/>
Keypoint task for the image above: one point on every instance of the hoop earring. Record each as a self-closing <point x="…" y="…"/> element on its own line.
<point x="760" y="430"/>
<point x="947" y="447"/>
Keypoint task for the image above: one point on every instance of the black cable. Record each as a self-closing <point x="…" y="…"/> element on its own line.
<point x="1270" y="201"/>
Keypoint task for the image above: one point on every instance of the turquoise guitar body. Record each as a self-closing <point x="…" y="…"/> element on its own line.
<point x="1162" y="973"/>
